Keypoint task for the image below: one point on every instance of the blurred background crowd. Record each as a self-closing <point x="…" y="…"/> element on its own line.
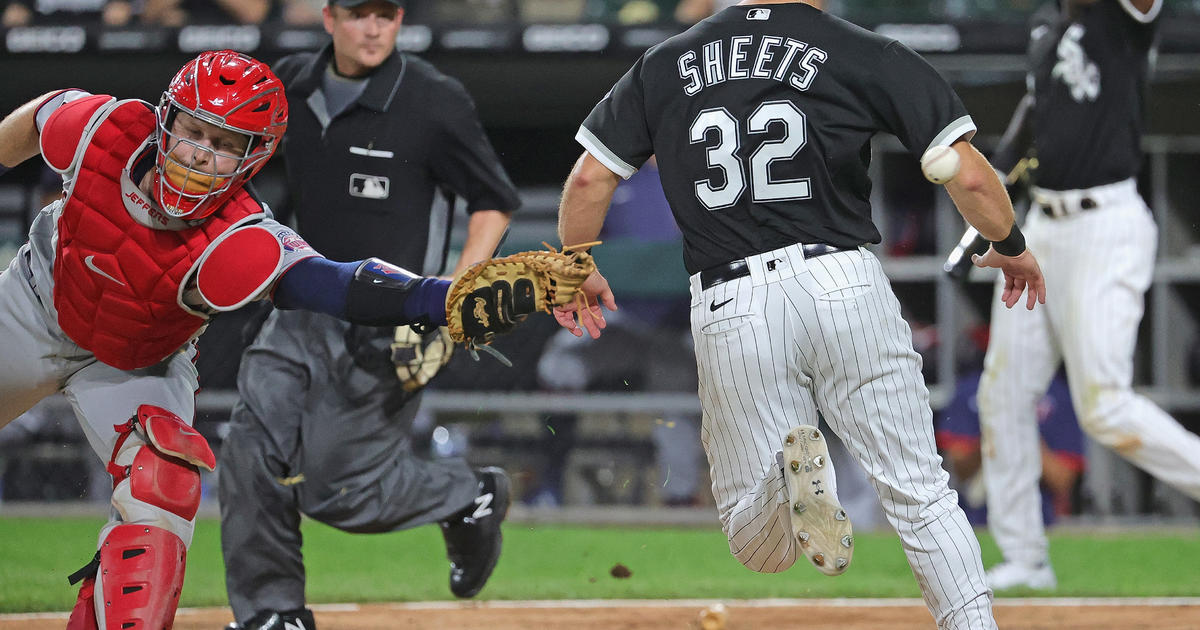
<point x="308" y="12"/>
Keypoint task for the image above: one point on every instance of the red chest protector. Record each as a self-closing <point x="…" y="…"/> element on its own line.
<point x="117" y="283"/>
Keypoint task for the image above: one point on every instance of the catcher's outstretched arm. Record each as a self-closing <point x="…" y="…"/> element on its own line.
<point x="370" y="292"/>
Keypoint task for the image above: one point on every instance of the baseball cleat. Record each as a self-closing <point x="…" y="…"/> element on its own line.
<point x="820" y="525"/>
<point x="1008" y="575"/>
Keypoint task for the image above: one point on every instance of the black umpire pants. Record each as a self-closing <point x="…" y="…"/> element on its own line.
<point x="320" y="434"/>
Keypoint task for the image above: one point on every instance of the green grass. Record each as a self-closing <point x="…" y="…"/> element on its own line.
<point x="551" y="562"/>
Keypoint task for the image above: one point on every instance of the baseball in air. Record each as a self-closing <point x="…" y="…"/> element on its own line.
<point x="940" y="164"/>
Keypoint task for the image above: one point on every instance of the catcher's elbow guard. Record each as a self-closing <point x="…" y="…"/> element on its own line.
<point x="382" y="294"/>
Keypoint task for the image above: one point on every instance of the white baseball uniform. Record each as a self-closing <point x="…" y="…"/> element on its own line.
<point x="761" y="118"/>
<point x="1096" y="241"/>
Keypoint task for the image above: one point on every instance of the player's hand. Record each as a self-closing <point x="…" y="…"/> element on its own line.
<point x="577" y="317"/>
<point x="1021" y="273"/>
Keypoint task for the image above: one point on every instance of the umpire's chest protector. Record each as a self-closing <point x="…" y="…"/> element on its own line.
<point x="118" y="283"/>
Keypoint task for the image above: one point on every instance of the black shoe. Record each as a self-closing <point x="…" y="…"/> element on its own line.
<point x="301" y="619"/>
<point x="473" y="535"/>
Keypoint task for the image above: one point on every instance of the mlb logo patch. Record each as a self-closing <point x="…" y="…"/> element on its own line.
<point x="758" y="14"/>
<point x="369" y="186"/>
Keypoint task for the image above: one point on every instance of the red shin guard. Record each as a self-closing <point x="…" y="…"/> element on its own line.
<point x="141" y="574"/>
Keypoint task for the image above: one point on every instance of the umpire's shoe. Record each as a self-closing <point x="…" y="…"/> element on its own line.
<point x="473" y="535"/>
<point x="301" y="619"/>
<point x="819" y="523"/>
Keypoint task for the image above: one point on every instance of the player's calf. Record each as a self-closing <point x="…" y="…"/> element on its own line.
<point x="819" y="524"/>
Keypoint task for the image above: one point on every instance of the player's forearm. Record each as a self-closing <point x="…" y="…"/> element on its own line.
<point x="19" y="134"/>
<point x="484" y="231"/>
<point x="979" y="195"/>
<point x="586" y="196"/>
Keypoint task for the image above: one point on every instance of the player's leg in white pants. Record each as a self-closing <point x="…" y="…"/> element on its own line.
<point x="827" y="333"/>
<point x="1112" y="262"/>
<point x="1021" y="360"/>
<point x="751" y="394"/>
<point x="875" y="399"/>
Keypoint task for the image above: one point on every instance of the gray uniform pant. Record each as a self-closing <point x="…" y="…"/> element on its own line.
<point x="319" y="434"/>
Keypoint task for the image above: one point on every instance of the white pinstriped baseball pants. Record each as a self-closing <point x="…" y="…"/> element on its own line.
<point x="798" y="336"/>
<point x="1098" y="264"/>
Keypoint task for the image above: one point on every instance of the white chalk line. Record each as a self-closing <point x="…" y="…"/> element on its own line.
<point x="848" y="602"/>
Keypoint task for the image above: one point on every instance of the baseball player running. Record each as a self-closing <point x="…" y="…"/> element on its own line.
<point x="155" y="233"/>
<point x="761" y="118"/>
<point x="322" y="427"/>
<point x="1097" y="240"/>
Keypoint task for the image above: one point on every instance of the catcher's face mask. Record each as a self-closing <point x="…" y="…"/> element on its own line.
<point x="219" y="121"/>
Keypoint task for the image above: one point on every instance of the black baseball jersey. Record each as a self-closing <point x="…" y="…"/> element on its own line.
<point x="1088" y="77"/>
<point x="364" y="182"/>
<point x="761" y="119"/>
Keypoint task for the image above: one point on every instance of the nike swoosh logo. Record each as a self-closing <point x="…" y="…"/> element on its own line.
<point x="92" y="265"/>
<point x="712" y="307"/>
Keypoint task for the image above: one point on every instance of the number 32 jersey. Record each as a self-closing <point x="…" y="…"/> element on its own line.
<point x="761" y="119"/>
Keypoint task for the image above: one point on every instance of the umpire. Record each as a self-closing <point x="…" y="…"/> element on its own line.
<point x="377" y="143"/>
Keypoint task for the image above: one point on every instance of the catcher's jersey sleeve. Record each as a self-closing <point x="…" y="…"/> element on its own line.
<point x="915" y="103"/>
<point x="615" y="133"/>
<point x="465" y="160"/>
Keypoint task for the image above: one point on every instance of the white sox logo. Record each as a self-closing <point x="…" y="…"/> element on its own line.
<point x="1077" y="72"/>
<point x="483" y="506"/>
<point x="299" y="625"/>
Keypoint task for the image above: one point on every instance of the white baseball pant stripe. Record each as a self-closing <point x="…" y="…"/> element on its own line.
<point x="38" y="360"/>
<point x="1098" y="264"/>
<point x="798" y="336"/>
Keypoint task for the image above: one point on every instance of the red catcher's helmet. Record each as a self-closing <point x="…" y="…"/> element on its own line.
<point x="232" y="91"/>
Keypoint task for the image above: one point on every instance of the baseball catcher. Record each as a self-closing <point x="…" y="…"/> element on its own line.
<point x="155" y="234"/>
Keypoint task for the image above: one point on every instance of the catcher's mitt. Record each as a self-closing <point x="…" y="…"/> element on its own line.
<point x="492" y="296"/>
<point x="418" y="357"/>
